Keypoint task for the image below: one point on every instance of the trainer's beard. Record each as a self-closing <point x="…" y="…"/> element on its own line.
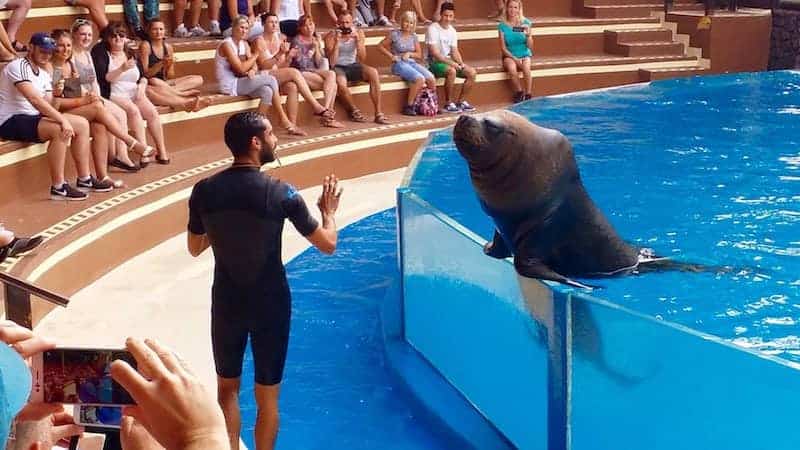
<point x="267" y="153"/>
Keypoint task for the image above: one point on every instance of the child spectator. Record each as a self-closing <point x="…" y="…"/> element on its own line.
<point x="445" y="60"/>
<point x="402" y="46"/>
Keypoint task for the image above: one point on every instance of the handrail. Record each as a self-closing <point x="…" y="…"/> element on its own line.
<point x="18" y="299"/>
<point x="42" y="293"/>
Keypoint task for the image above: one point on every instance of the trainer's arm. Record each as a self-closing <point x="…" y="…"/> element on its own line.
<point x="197" y="243"/>
<point x="325" y="236"/>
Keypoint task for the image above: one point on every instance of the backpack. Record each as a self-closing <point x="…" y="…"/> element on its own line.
<point x="364" y="12"/>
<point x="426" y="103"/>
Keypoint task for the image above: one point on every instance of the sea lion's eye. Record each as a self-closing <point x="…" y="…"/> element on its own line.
<point x="492" y="128"/>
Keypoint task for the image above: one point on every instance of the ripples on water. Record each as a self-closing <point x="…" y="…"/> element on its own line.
<point x="710" y="173"/>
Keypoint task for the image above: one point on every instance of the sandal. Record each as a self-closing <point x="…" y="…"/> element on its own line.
<point x="145" y="156"/>
<point x="116" y="183"/>
<point x="293" y="130"/>
<point x="163" y="161"/>
<point x="123" y="165"/>
<point x="381" y="119"/>
<point x="330" y="122"/>
<point x="357" y="116"/>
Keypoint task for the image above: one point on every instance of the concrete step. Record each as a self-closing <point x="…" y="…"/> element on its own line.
<point x="640" y="35"/>
<point x="677" y="72"/>
<point x="646" y="48"/>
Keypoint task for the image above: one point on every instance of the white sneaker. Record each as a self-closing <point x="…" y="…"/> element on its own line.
<point x="214" y="29"/>
<point x="452" y="108"/>
<point x="181" y="32"/>
<point x="198" y="31"/>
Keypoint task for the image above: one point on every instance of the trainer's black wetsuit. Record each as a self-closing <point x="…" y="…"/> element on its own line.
<point x="242" y="211"/>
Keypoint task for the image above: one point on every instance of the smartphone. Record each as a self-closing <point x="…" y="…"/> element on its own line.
<point x="78" y="375"/>
<point x="518" y="29"/>
<point x="103" y="416"/>
<point x="346" y="30"/>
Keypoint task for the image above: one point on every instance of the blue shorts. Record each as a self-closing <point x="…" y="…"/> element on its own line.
<point x="411" y="71"/>
<point x="21" y="127"/>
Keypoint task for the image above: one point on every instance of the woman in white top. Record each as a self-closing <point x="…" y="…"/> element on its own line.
<point x="82" y="40"/>
<point x="238" y="74"/>
<point x="273" y="50"/>
<point x="128" y="90"/>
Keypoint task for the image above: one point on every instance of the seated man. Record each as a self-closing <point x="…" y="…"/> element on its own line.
<point x="445" y="60"/>
<point x="345" y="49"/>
<point x="26" y="114"/>
<point x="11" y="246"/>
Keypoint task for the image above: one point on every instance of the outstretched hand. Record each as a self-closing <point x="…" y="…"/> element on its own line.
<point x="171" y="403"/>
<point x="328" y="201"/>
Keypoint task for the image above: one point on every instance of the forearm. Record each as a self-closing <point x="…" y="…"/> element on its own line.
<point x="47" y="110"/>
<point x="63" y="104"/>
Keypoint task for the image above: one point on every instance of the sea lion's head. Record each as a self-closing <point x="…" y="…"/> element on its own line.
<point x="482" y="140"/>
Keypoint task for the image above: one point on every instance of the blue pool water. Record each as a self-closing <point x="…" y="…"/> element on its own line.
<point x="704" y="169"/>
<point x="337" y="391"/>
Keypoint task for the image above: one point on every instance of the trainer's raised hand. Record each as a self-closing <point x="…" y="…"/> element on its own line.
<point x="328" y="201"/>
<point x="171" y="403"/>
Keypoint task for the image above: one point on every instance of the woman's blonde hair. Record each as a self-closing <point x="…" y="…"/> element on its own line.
<point x="411" y="16"/>
<point x="521" y="12"/>
<point x="239" y="19"/>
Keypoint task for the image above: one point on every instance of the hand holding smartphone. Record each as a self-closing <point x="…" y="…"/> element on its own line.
<point x="75" y="375"/>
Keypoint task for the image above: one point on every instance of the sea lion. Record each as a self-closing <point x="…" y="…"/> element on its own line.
<point x="528" y="182"/>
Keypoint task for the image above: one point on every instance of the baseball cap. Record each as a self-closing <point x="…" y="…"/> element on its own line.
<point x="43" y="41"/>
<point x="15" y="387"/>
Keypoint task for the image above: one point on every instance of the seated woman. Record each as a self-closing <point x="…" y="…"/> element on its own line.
<point x="121" y="80"/>
<point x="157" y="58"/>
<point x="402" y="46"/>
<point x="82" y="40"/>
<point x="67" y="88"/>
<point x="238" y="75"/>
<point x="306" y="56"/>
<point x="272" y="51"/>
<point x="516" y="42"/>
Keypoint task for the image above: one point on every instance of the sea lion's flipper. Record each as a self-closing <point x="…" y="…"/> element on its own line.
<point x="533" y="268"/>
<point x="497" y="248"/>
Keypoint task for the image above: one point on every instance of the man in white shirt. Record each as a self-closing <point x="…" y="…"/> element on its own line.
<point x="445" y="60"/>
<point x="26" y="114"/>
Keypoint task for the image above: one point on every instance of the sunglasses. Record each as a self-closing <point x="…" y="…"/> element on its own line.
<point x="121" y="35"/>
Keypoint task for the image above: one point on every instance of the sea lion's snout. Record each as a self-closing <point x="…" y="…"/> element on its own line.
<point x="468" y="135"/>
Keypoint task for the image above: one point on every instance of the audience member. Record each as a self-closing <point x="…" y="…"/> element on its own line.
<point x="232" y="9"/>
<point x="416" y="5"/>
<point x="26" y="114"/>
<point x="289" y="13"/>
<point x="157" y="59"/>
<point x="516" y="42"/>
<point x="213" y="17"/>
<point x="82" y="40"/>
<point x="446" y="61"/>
<point x="11" y="245"/>
<point x="130" y="8"/>
<point x="306" y="56"/>
<point x="7" y="51"/>
<point x="121" y="82"/>
<point x="273" y="55"/>
<point x="346" y="51"/>
<point x="437" y="11"/>
<point x="19" y="10"/>
<point x="97" y="11"/>
<point x="240" y="212"/>
<point x="238" y="74"/>
<point x="68" y="90"/>
<point x="331" y="7"/>
<point x="403" y="47"/>
<point x="194" y="29"/>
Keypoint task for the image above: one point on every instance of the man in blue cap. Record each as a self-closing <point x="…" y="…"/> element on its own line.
<point x="27" y="114"/>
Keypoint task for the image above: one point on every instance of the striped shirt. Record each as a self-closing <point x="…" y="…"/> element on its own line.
<point x="12" y="102"/>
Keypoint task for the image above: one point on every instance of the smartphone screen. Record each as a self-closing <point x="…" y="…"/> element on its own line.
<point x="70" y="375"/>
<point x="98" y="415"/>
<point x="519" y="29"/>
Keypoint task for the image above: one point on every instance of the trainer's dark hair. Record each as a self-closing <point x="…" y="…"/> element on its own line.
<point x="447" y="6"/>
<point x="240" y="129"/>
<point x="267" y="15"/>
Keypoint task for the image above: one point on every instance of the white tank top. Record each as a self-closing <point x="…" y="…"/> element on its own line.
<point x="225" y="75"/>
<point x="126" y="84"/>
<point x="289" y="10"/>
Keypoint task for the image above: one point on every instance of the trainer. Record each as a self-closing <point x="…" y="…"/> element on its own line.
<point x="240" y="212"/>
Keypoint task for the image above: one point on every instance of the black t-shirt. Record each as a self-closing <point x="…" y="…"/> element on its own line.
<point x="242" y="211"/>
